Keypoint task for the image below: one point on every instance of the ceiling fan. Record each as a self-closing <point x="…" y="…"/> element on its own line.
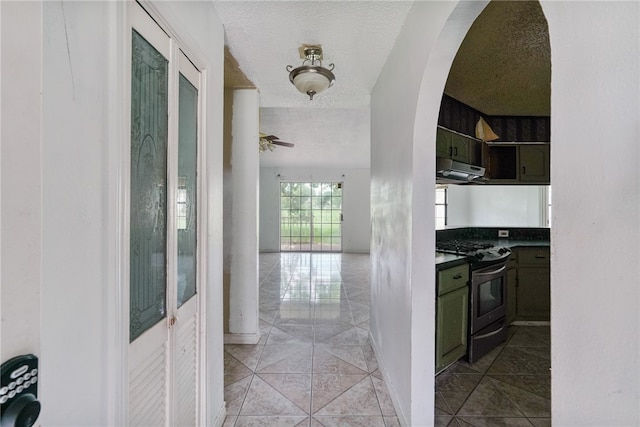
<point x="269" y="142"/>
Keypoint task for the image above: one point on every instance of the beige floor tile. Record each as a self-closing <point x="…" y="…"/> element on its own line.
<point x="384" y="399"/>
<point x="350" y="421"/>
<point x="295" y="387"/>
<point x="391" y="422"/>
<point x="264" y="400"/>
<point x="326" y="363"/>
<point x="352" y="336"/>
<point x="326" y="387"/>
<point x="229" y="421"/>
<point x="234" y="395"/>
<point x="349" y="353"/>
<point x="360" y="399"/>
<point x="234" y="370"/>
<point x="248" y="355"/>
<point x="266" y="421"/>
<point x="272" y="354"/>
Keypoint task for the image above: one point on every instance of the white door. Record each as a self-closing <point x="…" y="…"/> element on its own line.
<point x="163" y="298"/>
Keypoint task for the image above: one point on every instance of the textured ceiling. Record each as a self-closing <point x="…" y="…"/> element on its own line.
<point x="357" y="36"/>
<point x="502" y="68"/>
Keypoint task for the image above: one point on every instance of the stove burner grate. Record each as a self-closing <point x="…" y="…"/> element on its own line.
<point x="462" y="246"/>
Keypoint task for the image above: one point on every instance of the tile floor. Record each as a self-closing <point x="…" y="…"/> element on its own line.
<point x="313" y="366"/>
<point x="511" y="386"/>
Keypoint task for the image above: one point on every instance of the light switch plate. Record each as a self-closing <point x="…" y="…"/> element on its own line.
<point x="503" y="233"/>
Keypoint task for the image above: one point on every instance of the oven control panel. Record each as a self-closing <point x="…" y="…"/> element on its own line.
<point x="19" y="406"/>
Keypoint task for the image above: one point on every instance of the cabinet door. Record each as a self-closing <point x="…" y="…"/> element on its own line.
<point x="534" y="163"/>
<point x="533" y="293"/>
<point x="451" y="329"/>
<point x="443" y="142"/>
<point x="460" y="148"/>
<point x="511" y="295"/>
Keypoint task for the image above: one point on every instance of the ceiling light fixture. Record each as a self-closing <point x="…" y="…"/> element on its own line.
<point x="311" y="77"/>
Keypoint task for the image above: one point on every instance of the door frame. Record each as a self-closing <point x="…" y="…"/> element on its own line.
<point x="119" y="119"/>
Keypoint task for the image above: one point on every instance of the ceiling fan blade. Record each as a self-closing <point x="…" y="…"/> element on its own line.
<point x="269" y="137"/>
<point x="284" y="144"/>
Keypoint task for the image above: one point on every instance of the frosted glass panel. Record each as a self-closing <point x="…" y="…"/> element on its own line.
<point x="148" y="236"/>
<point x="186" y="195"/>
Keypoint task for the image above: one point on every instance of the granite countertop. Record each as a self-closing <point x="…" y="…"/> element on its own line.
<point x="444" y="261"/>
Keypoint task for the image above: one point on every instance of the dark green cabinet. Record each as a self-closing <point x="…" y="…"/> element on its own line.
<point x="516" y="163"/>
<point x="455" y="146"/>
<point x="533" y="295"/>
<point x="512" y="286"/>
<point x="534" y="163"/>
<point x="452" y="315"/>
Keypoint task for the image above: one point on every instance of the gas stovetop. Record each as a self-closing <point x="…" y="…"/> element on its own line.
<point x="477" y="252"/>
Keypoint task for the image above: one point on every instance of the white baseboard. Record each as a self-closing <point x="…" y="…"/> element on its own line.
<point x="531" y="323"/>
<point x="241" y="338"/>
<point x="222" y="415"/>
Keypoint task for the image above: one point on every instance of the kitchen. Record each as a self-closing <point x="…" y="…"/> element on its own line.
<point x="492" y="225"/>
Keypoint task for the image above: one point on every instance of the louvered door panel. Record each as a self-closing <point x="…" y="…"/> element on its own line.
<point x="186" y="365"/>
<point x="148" y="385"/>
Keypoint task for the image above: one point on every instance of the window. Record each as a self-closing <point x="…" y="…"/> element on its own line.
<point x="548" y="206"/>
<point x="441" y="206"/>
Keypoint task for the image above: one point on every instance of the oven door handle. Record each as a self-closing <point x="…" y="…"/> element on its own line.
<point x="490" y="273"/>
<point x="492" y="333"/>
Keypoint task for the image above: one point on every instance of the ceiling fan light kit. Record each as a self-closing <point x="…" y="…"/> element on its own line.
<point x="311" y="77"/>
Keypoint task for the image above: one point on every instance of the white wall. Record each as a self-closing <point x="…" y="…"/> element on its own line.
<point x="404" y="112"/>
<point x="355" y="204"/>
<point x="595" y="235"/>
<point x="21" y="193"/>
<point x="495" y="206"/>
<point x="81" y="333"/>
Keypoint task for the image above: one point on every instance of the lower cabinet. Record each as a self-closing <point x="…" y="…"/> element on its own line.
<point x="512" y="288"/>
<point x="452" y="316"/>
<point x="534" y="299"/>
<point x="529" y="290"/>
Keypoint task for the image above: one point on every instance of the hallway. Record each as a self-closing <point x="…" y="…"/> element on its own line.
<point x="313" y="366"/>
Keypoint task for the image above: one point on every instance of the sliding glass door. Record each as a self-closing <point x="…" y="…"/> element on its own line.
<point x="311" y="216"/>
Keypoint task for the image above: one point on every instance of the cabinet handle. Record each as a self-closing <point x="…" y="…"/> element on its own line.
<point x="455" y="151"/>
<point x="457" y="276"/>
<point x="540" y="256"/>
<point x="524" y="170"/>
<point x="450" y="151"/>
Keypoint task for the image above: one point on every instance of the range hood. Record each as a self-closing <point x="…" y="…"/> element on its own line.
<point x="451" y="172"/>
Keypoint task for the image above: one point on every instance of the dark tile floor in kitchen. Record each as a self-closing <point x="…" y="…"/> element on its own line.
<point x="511" y="386"/>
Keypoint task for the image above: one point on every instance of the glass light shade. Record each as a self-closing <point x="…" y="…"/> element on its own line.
<point x="311" y="79"/>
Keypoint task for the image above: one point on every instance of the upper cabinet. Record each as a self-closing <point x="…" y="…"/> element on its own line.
<point x="516" y="163"/>
<point x="520" y="155"/>
<point x="456" y="146"/>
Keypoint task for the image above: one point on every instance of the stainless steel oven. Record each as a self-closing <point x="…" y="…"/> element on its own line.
<point x="487" y="309"/>
<point x="487" y="294"/>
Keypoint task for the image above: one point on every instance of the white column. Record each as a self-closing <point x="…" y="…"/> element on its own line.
<point x="245" y="172"/>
